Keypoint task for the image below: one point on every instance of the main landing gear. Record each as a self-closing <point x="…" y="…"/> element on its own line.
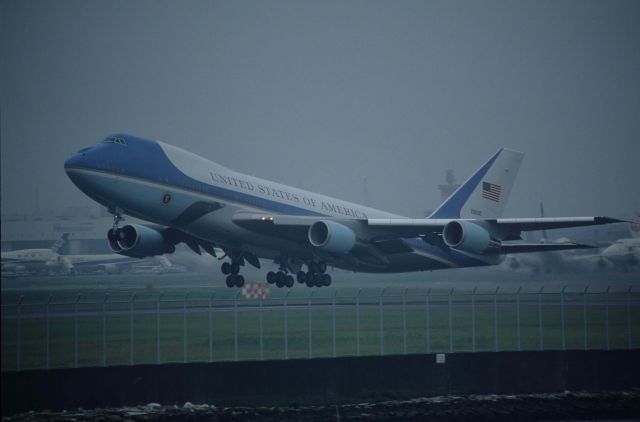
<point x="231" y="270"/>
<point x="314" y="277"/>
<point x="280" y="279"/>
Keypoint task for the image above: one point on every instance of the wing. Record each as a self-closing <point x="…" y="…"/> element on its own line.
<point x="385" y="235"/>
<point x="500" y="228"/>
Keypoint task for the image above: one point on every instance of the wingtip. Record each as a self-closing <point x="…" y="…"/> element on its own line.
<point x="610" y="220"/>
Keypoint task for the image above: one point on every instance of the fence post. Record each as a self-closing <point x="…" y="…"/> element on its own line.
<point x="211" y="326"/>
<point x="333" y="316"/>
<point x="131" y="302"/>
<point x="104" y="329"/>
<point x="261" y="333"/>
<point x="158" y="328"/>
<point x="286" y="326"/>
<point x="629" y="318"/>
<point x="358" y="322"/>
<point x="473" y="319"/>
<point x="235" y="325"/>
<point x="518" y="318"/>
<point x="310" y="325"/>
<point x="562" y="329"/>
<point x="48" y="355"/>
<point x="380" y="311"/>
<point x="404" y="321"/>
<point x="75" y="332"/>
<point x="427" y="311"/>
<point x="185" y="340"/>
<point x="495" y="319"/>
<point x="540" y="329"/>
<point x="606" y="315"/>
<point x="584" y="317"/>
<point x="18" y="334"/>
<point x="451" y="320"/>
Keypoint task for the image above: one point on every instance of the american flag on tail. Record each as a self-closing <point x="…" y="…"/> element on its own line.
<point x="491" y="191"/>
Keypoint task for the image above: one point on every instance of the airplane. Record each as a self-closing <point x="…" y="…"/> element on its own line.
<point x="33" y="261"/>
<point x="623" y="253"/>
<point x="187" y="198"/>
<point x="107" y="263"/>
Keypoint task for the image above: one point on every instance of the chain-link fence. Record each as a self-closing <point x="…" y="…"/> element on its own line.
<point x="218" y="326"/>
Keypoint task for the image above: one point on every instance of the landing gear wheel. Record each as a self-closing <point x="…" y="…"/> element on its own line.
<point x="235" y="268"/>
<point x="309" y="280"/>
<point x="225" y="268"/>
<point x="301" y="276"/>
<point x="231" y="280"/>
<point x="326" y="280"/>
<point x="239" y="281"/>
<point x="313" y="267"/>
<point x="288" y="281"/>
<point x="322" y="267"/>
<point x="280" y="279"/>
<point x="271" y="277"/>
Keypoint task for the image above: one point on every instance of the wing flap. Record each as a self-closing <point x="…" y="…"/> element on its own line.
<point x="538" y="247"/>
<point x="533" y="224"/>
<point x="503" y="228"/>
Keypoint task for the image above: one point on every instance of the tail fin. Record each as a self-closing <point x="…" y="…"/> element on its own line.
<point x="60" y="243"/>
<point x="485" y="193"/>
<point x="634" y="227"/>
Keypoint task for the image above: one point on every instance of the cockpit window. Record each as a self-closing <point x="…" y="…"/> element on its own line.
<point x="115" y="140"/>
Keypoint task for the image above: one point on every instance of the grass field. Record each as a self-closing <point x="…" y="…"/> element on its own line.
<point x="155" y="328"/>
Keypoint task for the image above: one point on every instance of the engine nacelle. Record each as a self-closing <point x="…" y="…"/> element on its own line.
<point x="466" y="236"/>
<point x="138" y="241"/>
<point x="331" y="236"/>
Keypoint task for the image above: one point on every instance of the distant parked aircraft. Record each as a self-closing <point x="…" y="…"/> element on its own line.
<point x="33" y="261"/>
<point x="49" y="261"/>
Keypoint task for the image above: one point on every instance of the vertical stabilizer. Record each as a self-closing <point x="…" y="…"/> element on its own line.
<point x="634" y="228"/>
<point x="59" y="243"/>
<point x="485" y="193"/>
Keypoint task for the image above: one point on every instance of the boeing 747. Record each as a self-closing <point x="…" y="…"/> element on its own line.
<point x="190" y="199"/>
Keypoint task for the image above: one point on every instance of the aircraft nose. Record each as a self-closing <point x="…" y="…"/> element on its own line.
<point x="77" y="159"/>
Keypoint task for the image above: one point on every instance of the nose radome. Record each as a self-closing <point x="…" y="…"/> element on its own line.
<point x="73" y="161"/>
<point x="77" y="159"/>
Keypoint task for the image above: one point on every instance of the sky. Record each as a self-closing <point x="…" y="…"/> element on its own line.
<point x="323" y="94"/>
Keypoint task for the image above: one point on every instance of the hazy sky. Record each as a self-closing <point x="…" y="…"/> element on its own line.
<point x="321" y="94"/>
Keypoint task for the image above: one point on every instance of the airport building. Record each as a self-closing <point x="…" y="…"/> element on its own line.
<point x="87" y="227"/>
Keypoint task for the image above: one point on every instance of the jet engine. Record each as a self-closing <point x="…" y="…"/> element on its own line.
<point x="138" y="241"/>
<point x="331" y="236"/>
<point x="466" y="236"/>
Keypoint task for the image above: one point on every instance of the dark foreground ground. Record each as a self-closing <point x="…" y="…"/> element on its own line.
<point x="525" y="407"/>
